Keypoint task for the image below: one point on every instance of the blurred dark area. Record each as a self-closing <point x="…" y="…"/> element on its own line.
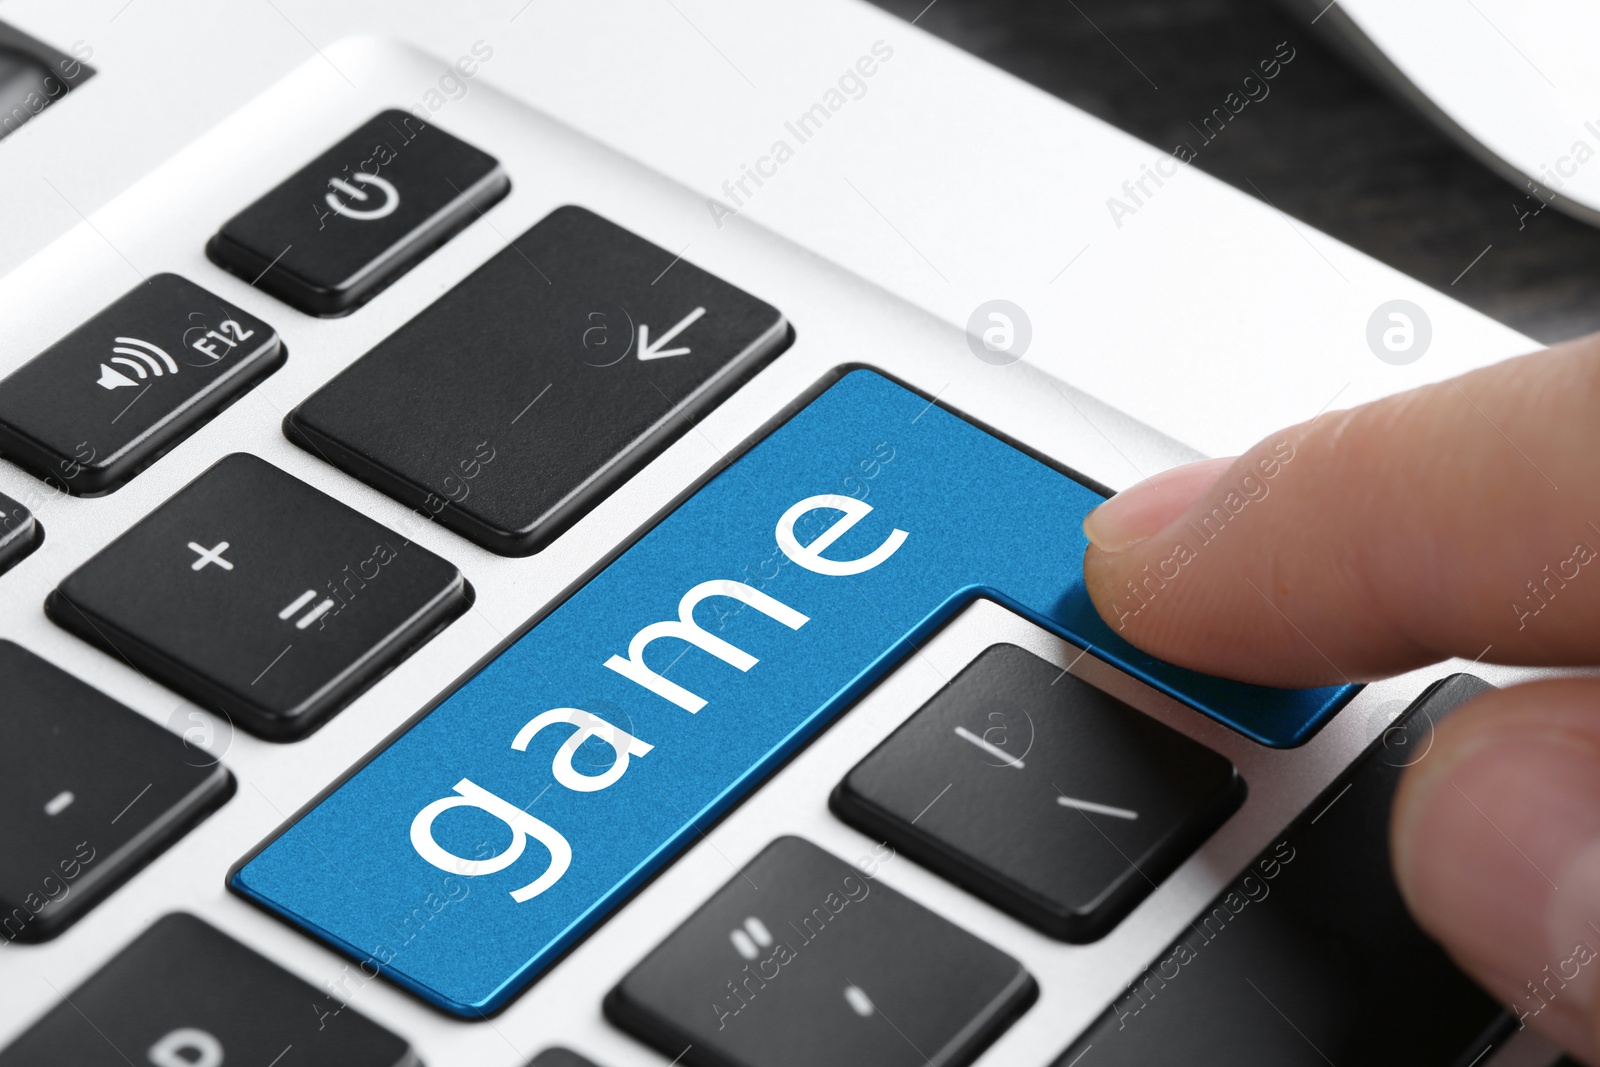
<point x="33" y="75"/>
<point x="1326" y="146"/>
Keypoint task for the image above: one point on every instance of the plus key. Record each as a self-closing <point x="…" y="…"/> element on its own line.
<point x="257" y="596"/>
<point x="209" y="556"/>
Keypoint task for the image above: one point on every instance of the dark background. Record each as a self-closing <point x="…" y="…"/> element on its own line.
<point x="1326" y="146"/>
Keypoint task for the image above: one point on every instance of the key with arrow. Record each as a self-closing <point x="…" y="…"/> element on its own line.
<point x="531" y="422"/>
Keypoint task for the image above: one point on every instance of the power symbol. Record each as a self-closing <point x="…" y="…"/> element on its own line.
<point x="391" y="196"/>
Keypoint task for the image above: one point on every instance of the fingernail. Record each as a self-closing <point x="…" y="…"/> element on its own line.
<point x="1149" y="507"/>
<point x="1499" y="855"/>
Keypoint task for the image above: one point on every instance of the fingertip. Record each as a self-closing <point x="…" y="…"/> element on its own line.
<point x="1144" y="510"/>
<point x="1138" y="513"/>
<point x="1098" y="579"/>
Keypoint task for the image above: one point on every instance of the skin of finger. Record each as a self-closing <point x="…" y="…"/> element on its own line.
<point x="1386" y="537"/>
<point x="1157" y="501"/>
<point x="1564" y="1023"/>
<point x="1482" y="837"/>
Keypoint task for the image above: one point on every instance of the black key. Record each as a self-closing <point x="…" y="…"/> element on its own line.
<point x="523" y="396"/>
<point x="184" y="994"/>
<point x="90" y="791"/>
<point x="113" y="396"/>
<point x="802" y="959"/>
<point x="1299" y="962"/>
<point x="1042" y="794"/>
<point x="559" y="1057"/>
<point x="20" y="533"/>
<point x="346" y="225"/>
<point x="257" y="596"/>
<point x="34" y="75"/>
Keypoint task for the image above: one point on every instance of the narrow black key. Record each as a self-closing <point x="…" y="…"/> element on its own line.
<point x="20" y="533"/>
<point x="1299" y="963"/>
<point x="802" y="959"/>
<point x="559" y="1057"/>
<point x="523" y="396"/>
<point x="184" y="994"/>
<point x="1042" y="794"/>
<point x="346" y="225"/>
<point x="113" y="396"/>
<point x="90" y="791"/>
<point x="255" y="595"/>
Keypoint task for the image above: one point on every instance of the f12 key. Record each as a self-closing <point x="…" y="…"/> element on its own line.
<point x="113" y="396"/>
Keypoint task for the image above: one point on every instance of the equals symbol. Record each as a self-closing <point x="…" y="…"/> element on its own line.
<point x="309" y="617"/>
<point x="751" y="938"/>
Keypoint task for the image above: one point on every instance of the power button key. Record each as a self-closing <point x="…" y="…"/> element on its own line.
<point x="341" y="229"/>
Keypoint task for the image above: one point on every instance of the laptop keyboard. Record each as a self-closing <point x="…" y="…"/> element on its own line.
<point x="869" y="559"/>
<point x="659" y="663"/>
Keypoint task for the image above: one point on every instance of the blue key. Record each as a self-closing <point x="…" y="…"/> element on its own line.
<point x="483" y="842"/>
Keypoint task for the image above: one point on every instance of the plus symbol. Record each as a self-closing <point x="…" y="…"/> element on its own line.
<point x="210" y="555"/>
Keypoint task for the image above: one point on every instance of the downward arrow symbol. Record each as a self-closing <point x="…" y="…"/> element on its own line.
<point x="654" y="351"/>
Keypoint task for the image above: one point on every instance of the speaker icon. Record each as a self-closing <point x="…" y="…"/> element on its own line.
<point x="144" y="359"/>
